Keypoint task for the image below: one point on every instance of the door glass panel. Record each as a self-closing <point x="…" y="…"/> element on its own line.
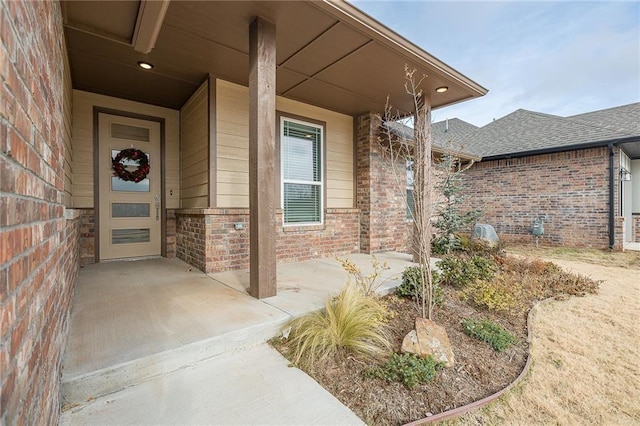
<point x="134" y="133"/>
<point x="128" y="236"/>
<point x="118" y="184"/>
<point x="130" y="210"/>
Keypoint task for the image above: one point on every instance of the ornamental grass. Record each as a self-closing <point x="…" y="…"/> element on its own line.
<point x="351" y="321"/>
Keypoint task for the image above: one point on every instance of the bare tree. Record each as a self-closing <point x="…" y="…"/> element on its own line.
<point x="402" y="149"/>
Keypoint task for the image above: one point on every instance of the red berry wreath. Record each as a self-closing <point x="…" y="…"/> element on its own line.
<point x="135" y="155"/>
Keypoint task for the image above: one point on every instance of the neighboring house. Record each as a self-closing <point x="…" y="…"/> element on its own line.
<point x="580" y="174"/>
<point x="258" y="122"/>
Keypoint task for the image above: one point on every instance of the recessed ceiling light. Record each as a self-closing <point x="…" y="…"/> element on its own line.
<point x="442" y="89"/>
<point x="145" y="65"/>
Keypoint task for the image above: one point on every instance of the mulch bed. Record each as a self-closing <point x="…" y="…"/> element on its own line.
<point x="479" y="371"/>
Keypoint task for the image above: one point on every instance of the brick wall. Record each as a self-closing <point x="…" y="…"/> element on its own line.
<point x="571" y="189"/>
<point x="87" y="237"/>
<point x="636" y="227"/>
<point x="338" y="236"/>
<point x="39" y="242"/>
<point x="208" y="240"/>
<point x="191" y="232"/>
<point x="383" y="218"/>
<point x="619" y="229"/>
<point x="170" y="233"/>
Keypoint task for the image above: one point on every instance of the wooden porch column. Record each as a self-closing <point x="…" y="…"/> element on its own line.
<point x="262" y="147"/>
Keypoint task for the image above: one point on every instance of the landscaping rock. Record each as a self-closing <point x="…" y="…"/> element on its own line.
<point x="429" y="339"/>
<point x="485" y="233"/>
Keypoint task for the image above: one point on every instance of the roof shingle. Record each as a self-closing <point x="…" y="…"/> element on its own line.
<point x="525" y="131"/>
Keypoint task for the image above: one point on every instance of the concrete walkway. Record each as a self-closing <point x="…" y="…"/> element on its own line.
<point x="158" y="342"/>
<point x="249" y="386"/>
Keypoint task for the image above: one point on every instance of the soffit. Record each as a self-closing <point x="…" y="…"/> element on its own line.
<point x="90" y="16"/>
<point x="632" y="149"/>
<point x="324" y="57"/>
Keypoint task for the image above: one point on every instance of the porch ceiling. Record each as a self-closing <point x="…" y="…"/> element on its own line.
<point x="632" y="149"/>
<point x="329" y="54"/>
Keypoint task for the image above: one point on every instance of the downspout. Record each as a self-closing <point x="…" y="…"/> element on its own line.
<point x="612" y="227"/>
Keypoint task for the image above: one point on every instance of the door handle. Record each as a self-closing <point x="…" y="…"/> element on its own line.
<point x="157" y="207"/>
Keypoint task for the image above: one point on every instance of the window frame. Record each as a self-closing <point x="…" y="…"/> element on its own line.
<point x="410" y="206"/>
<point x="281" y="119"/>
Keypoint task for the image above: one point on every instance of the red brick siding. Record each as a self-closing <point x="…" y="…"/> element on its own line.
<point x="39" y="246"/>
<point x="619" y="229"/>
<point x="571" y="189"/>
<point x="170" y="233"/>
<point x="227" y="248"/>
<point x="338" y="236"/>
<point x="87" y="237"/>
<point x="208" y="240"/>
<point x="191" y="233"/>
<point x="383" y="218"/>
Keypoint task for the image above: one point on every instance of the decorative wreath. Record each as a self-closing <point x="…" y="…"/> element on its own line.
<point x="135" y="155"/>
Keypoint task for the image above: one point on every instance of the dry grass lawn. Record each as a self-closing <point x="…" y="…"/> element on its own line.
<point x="586" y="351"/>
<point x="628" y="259"/>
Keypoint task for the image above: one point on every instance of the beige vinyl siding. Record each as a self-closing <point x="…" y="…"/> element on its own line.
<point x="194" y="135"/>
<point x="82" y="144"/>
<point x="232" y="144"/>
<point x="232" y="112"/>
<point x="68" y="152"/>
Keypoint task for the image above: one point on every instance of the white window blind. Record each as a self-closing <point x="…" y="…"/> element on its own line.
<point x="411" y="208"/>
<point x="302" y="180"/>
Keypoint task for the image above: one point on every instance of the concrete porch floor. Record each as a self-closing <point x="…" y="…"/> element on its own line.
<point x="137" y="322"/>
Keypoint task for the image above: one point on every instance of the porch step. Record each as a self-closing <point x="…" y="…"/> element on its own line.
<point x="80" y="389"/>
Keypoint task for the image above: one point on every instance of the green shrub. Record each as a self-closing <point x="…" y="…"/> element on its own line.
<point x="484" y="248"/>
<point x="485" y="267"/>
<point x="494" y="295"/>
<point x="408" y="369"/>
<point x="490" y="332"/>
<point x="440" y="246"/>
<point x="411" y="286"/>
<point x="459" y="272"/>
<point x="351" y="321"/>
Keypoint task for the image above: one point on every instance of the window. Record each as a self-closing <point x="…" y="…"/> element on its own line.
<point x="302" y="170"/>
<point x="410" y="200"/>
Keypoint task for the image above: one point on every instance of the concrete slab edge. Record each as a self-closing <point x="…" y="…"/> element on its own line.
<point x="80" y="389"/>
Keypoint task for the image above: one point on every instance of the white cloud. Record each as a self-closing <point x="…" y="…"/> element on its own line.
<point x="554" y="57"/>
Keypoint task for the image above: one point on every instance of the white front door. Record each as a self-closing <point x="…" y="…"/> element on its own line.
<point x="130" y="212"/>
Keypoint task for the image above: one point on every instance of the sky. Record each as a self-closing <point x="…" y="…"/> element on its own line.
<point x="554" y="57"/>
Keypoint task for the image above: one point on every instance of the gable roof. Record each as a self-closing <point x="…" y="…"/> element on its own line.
<point x="525" y="132"/>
